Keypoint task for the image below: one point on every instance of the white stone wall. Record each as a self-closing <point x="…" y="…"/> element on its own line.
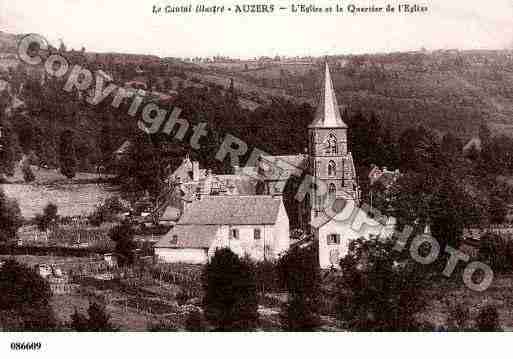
<point x="349" y="230"/>
<point x="182" y="255"/>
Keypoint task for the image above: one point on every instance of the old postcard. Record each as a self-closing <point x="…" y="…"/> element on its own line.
<point x="218" y="166"/>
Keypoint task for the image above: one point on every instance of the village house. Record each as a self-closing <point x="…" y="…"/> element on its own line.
<point x="257" y="226"/>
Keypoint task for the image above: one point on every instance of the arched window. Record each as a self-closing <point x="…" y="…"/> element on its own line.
<point x="332" y="190"/>
<point x="332" y="144"/>
<point x="332" y="169"/>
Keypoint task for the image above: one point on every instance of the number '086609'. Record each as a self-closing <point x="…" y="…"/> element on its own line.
<point x="26" y="346"/>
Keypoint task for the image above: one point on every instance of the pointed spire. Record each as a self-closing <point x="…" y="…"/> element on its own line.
<point x="328" y="113"/>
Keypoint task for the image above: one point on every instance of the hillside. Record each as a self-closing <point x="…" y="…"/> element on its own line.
<point x="442" y="90"/>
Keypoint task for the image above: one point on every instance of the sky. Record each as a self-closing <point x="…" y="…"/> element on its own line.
<point x="130" y="26"/>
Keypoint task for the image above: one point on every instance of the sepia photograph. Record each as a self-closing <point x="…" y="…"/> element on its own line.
<point x="182" y="167"/>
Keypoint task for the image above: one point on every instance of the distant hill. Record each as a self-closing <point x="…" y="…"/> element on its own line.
<point x="443" y="90"/>
<point x="447" y="90"/>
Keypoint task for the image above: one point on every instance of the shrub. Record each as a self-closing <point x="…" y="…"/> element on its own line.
<point x="48" y="218"/>
<point x="25" y="298"/>
<point x="488" y="319"/>
<point x="28" y="175"/>
<point x="107" y="211"/>
<point x="98" y="320"/>
<point x="123" y="236"/>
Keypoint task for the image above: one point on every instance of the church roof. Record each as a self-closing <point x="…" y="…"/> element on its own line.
<point x="328" y="113"/>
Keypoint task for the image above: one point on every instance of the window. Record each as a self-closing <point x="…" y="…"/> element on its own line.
<point x="257" y="233"/>
<point x="332" y="169"/>
<point x="234" y="233"/>
<point x="332" y="190"/>
<point x="332" y="144"/>
<point x="333" y="239"/>
<point x="174" y="239"/>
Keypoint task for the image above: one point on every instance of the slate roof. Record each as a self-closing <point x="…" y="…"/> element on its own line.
<point x="328" y="113"/>
<point x="219" y="210"/>
<point x="189" y="236"/>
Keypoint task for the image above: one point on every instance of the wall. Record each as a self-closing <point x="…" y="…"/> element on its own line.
<point x="182" y="255"/>
<point x="348" y="230"/>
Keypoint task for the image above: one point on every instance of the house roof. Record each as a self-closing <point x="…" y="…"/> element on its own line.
<point x="189" y="236"/>
<point x="328" y="113"/>
<point x="232" y="210"/>
<point x="277" y="168"/>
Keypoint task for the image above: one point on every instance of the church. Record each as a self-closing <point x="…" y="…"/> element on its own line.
<point x="247" y="211"/>
<point x="331" y="165"/>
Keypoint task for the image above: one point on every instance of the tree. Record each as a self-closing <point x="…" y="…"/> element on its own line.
<point x="9" y="149"/>
<point x="67" y="156"/>
<point x="48" y="218"/>
<point x="299" y="271"/>
<point x="25" y="296"/>
<point x="230" y="300"/>
<point x="10" y="217"/>
<point x="141" y="169"/>
<point x="378" y="292"/>
<point x="123" y="236"/>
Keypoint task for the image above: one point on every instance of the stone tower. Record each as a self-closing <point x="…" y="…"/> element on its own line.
<point x="329" y="160"/>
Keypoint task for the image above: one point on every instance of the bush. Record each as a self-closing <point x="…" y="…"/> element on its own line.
<point x="48" y="218"/>
<point x="25" y="299"/>
<point x="107" y="211"/>
<point x="488" y="319"/>
<point x="28" y="175"/>
<point x="123" y="236"/>
<point x="98" y="320"/>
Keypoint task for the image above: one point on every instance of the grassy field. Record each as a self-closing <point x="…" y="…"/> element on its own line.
<point x="71" y="199"/>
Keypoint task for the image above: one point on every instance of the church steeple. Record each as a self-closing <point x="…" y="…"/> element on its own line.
<point x="329" y="160"/>
<point x="328" y="113"/>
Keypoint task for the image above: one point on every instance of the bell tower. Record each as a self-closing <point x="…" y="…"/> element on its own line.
<point x="330" y="162"/>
